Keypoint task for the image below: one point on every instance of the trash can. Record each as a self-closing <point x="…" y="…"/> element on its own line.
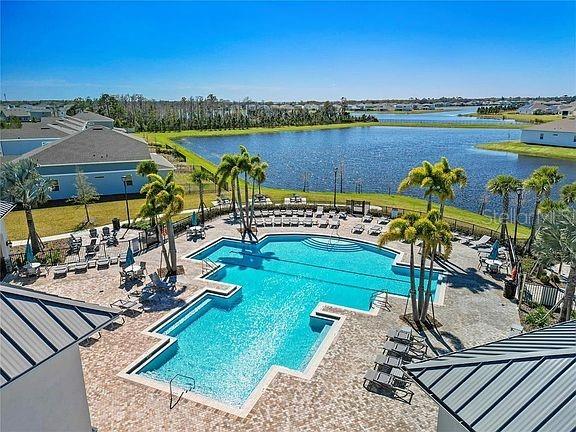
<point x="510" y="289"/>
<point x="116" y="224"/>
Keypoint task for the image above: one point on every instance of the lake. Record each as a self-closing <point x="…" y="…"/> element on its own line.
<point x="378" y="157"/>
<point x="449" y="115"/>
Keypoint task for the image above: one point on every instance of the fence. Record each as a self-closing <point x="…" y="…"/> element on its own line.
<point x="545" y="295"/>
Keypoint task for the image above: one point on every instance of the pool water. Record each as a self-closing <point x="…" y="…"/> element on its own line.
<point x="228" y="344"/>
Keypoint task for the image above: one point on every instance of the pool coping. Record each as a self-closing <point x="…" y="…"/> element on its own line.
<point x="226" y="290"/>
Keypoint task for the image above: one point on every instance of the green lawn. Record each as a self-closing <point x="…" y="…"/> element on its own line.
<point x="525" y="118"/>
<point x="531" y="149"/>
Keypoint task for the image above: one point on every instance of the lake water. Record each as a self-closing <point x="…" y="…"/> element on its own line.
<point x="450" y="115"/>
<point x="380" y="157"/>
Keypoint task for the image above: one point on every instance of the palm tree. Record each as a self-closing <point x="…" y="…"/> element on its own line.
<point x="146" y="167"/>
<point x="259" y="174"/>
<point x="435" y="235"/>
<point x="245" y="166"/>
<point x="228" y="172"/>
<point x="541" y="182"/>
<point x="568" y="193"/>
<point x="402" y="229"/>
<point x="452" y="177"/>
<point x="199" y="176"/>
<point x="21" y="183"/>
<point x="424" y="177"/>
<point x="503" y="185"/>
<point x="556" y="244"/>
<point x="165" y="195"/>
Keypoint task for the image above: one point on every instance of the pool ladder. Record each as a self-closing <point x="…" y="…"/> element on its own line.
<point x="191" y="386"/>
<point x="380" y="298"/>
<point x="208" y="265"/>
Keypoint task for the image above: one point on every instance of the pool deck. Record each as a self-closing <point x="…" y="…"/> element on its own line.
<point x="474" y="312"/>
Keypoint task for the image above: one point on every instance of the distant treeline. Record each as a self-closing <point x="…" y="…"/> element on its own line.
<point x="209" y="113"/>
<point x="496" y="109"/>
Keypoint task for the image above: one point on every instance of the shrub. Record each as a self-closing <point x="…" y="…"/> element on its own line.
<point x="538" y="317"/>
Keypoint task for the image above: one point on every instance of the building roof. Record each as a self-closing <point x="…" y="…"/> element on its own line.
<point x="15" y="112"/>
<point x="36" y="326"/>
<point x="525" y="382"/>
<point x="91" y="116"/>
<point x="161" y="161"/>
<point x="32" y="130"/>
<point x="5" y="208"/>
<point x="97" y="144"/>
<point x="564" y="125"/>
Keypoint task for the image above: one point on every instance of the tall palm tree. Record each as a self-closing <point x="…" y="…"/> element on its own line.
<point x="568" y="193"/>
<point x="199" y="176"/>
<point x="435" y="235"/>
<point x="424" y="177"/>
<point x="259" y="174"/>
<point x="556" y="244"/>
<point x="402" y="229"/>
<point x="540" y="182"/>
<point x="166" y="196"/>
<point x="228" y="172"/>
<point x="452" y="177"/>
<point x="21" y="183"/>
<point x="503" y="185"/>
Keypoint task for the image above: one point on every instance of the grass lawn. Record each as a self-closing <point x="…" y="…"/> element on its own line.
<point x="526" y="118"/>
<point x="531" y="149"/>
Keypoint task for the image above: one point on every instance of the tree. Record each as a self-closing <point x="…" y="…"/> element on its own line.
<point x="21" y="183"/>
<point x="556" y="244"/>
<point x="540" y="182"/>
<point x="146" y="167"/>
<point x="199" y="176"/>
<point x="402" y="229"/>
<point x="568" y="193"/>
<point x="86" y="193"/>
<point x="259" y="174"/>
<point x="227" y="171"/>
<point x="503" y="185"/>
<point x="164" y="195"/>
<point x="451" y="177"/>
<point x="424" y="177"/>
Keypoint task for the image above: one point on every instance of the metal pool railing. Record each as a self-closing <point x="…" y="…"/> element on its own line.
<point x="191" y="385"/>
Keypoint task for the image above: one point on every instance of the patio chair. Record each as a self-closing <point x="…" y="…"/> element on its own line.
<point x="300" y="213"/>
<point x="277" y="213"/>
<point x="357" y="229"/>
<point x="140" y="273"/>
<point x="375" y="230"/>
<point x="483" y="241"/>
<point x="394" y="213"/>
<point x="294" y="221"/>
<point x="265" y="213"/>
<point x="93" y="233"/>
<point x="289" y="213"/>
<point x="343" y="215"/>
<point x="335" y="223"/>
<point x="102" y="262"/>
<point x="384" y="220"/>
<point x="319" y="211"/>
<point x="268" y="221"/>
<point x="323" y="222"/>
<point x="308" y="213"/>
<point x="395" y="384"/>
<point x="60" y="270"/>
<point x="259" y="222"/>
<point x="367" y="218"/>
<point x="308" y="222"/>
<point x="277" y="220"/>
<point x="159" y="283"/>
<point x="123" y="276"/>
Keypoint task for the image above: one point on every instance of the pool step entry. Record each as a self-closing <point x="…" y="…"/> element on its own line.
<point x="380" y="299"/>
<point x="190" y="385"/>
<point x="208" y="265"/>
<point x="332" y="245"/>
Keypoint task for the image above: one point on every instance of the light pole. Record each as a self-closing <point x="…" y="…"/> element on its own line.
<point x="335" y="180"/>
<point x="518" y="206"/>
<point x="125" y="180"/>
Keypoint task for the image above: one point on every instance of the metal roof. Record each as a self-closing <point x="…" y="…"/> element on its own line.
<point x="523" y="383"/>
<point x="5" y="208"/>
<point x="35" y="326"/>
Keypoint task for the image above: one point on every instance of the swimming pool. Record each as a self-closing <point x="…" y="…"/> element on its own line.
<point x="229" y="344"/>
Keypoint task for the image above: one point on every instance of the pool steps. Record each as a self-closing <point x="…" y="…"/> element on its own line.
<point x="332" y="245"/>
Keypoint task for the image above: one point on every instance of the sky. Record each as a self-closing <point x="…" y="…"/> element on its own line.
<point x="287" y="51"/>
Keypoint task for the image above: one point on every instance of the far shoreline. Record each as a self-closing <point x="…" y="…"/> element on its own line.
<point x="533" y="150"/>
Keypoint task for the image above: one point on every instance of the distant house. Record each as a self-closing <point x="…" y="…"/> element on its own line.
<point x="567" y="110"/>
<point x="94" y="119"/>
<point x="38" y="113"/>
<point x="104" y="155"/>
<point x="41" y="381"/>
<point x="404" y="107"/>
<point x="535" y="108"/>
<point x="16" y="142"/>
<point x="523" y="383"/>
<point x="5" y="208"/>
<point x="6" y="113"/>
<point x="560" y="133"/>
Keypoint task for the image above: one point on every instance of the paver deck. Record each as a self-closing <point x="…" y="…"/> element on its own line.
<point x="474" y="312"/>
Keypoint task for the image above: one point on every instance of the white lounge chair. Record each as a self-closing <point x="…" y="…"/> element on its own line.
<point x="367" y="218"/>
<point x="308" y="222"/>
<point x="323" y="222"/>
<point x="484" y="240"/>
<point x="319" y="211"/>
<point x="375" y="230"/>
<point x="358" y="228"/>
<point x="335" y="223"/>
<point x="60" y="270"/>
<point x="294" y="221"/>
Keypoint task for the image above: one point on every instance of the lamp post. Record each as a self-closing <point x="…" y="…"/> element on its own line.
<point x="125" y="180"/>
<point x="335" y="180"/>
<point x="518" y="206"/>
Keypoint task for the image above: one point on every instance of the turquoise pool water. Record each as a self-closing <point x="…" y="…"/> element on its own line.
<point x="228" y="345"/>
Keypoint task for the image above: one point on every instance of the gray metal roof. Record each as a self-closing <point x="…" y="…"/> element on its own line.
<point x="92" y="145"/>
<point x="523" y="383"/>
<point x="92" y="116"/>
<point x="35" y="327"/>
<point x="5" y="208"/>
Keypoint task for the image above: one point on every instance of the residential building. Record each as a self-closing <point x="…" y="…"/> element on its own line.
<point x="523" y="383"/>
<point x="5" y="208"/>
<point x="21" y="114"/>
<point x="560" y="133"/>
<point x="15" y="142"/>
<point x="535" y="108"/>
<point x="94" y="119"/>
<point x="41" y="379"/>
<point x="106" y="156"/>
<point x="567" y="110"/>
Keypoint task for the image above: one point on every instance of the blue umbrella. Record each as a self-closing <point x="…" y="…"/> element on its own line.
<point x="494" y="251"/>
<point x="129" y="257"/>
<point x="193" y="221"/>
<point x="29" y="254"/>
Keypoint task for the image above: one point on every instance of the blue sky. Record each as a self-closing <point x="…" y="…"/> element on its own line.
<point x="288" y="51"/>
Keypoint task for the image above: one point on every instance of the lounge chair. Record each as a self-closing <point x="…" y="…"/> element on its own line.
<point x="358" y="228"/>
<point x="268" y="221"/>
<point x="342" y="215"/>
<point x="335" y="223"/>
<point x="294" y="221"/>
<point x="259" y="222"/>
<point x="323" y="222"/>
<point x="308" y="213"/>
<point x="388" y="381"/>
<point x="159" y="283"/>
<point x="308" y="221"/>
<point x="60" y="270"/>
<point x="277" y="220"/>
<point x="265" y="213"/>
<point x="388" y="361"/>
<point x="277" y="213"/>
<point x="384" y="220"/>
<point x="332" y="214"/>
<point x="126" y="305"/>
<point x="300" y="213"/>
<point x="367" y="218"/>
<point x="81" y="266"/>
<point x="258" y="213"/>
<point x="484" y="240"/>
<point x="375" y="230"/>
<point x="102" y="262"/>
<point x="319" y="211"/>
<point x="289" y="213"/>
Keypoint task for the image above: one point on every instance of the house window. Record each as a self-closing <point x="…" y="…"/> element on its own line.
<point x="98" y="177"/>
<point x="55" y="185"/>
<point x="574" y="138"/>
<point x="554" y="134"/>
<point x="128" y="180"/>
<point x="541" y="136"/>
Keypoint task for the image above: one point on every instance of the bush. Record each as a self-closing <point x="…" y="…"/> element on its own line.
<point x="545" y="279"/>
<point x="538" y="317"/>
